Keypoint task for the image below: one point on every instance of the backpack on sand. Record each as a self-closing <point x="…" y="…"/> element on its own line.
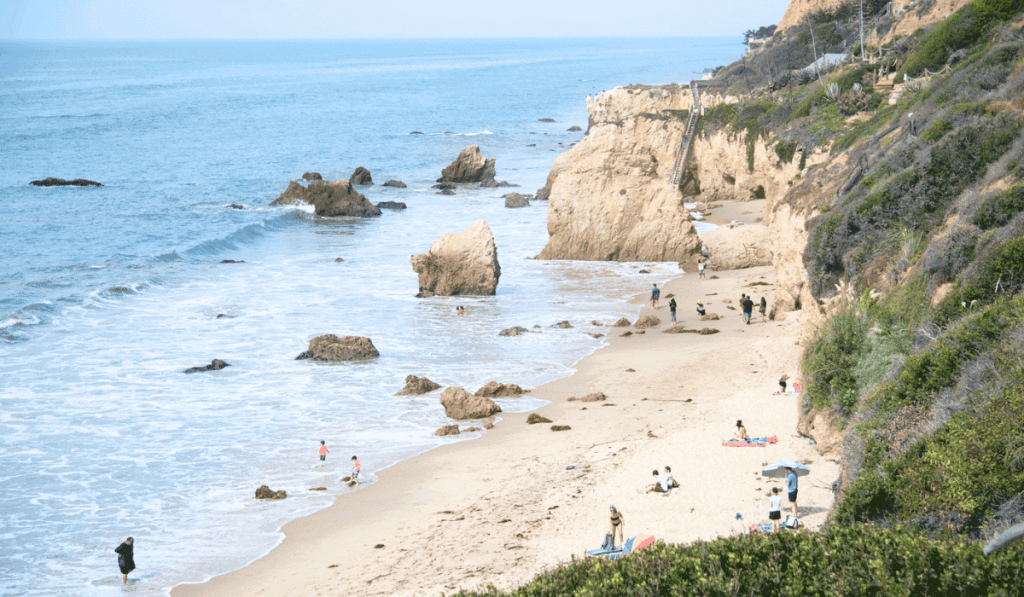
<point x="609" y="541"/>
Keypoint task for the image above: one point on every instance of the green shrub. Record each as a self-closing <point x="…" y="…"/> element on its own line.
<point x="830" y="362"/>
<point x="785" y="150"/>
<point x="857" y="561"/>
<point x="937" y="130"/>
<point x="1003" y="266"/>
<point x="996" y="211"/>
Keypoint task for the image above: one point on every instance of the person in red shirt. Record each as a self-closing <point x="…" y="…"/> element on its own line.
<point x="323" y="453"/>
<point x="355" y="469"/>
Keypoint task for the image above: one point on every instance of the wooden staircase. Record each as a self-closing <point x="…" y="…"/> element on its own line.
<point x="683" y="155"/>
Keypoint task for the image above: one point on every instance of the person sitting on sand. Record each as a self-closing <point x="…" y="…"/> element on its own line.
<point x="763" y="310"/>
<point x="655" y="295"/>
<point x="700" y="309"/>
<point x="660" y="484"/>
<point x="670" y="480"/>
<point x="782" y="388"/>
<point x="775" y="509"/>
<point x="356" y="467"/>
<point x="741" y="431"/>
<point x="618" y="524"/>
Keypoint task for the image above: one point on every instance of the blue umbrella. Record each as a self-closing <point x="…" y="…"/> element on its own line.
<point x="778" y="469"/>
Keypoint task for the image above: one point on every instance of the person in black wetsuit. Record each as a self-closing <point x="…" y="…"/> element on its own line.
<point x="126" y="558"/>
<point x="672" y="308"/>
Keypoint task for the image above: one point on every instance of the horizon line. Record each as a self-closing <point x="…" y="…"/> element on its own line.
<point x="318" y="39"/>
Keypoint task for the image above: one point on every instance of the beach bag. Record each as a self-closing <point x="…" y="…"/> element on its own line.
<point x="609" y="541"/>
<point x="792" y="522"/>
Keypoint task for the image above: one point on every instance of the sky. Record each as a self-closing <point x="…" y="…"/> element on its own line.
<point x="380" y="19"/>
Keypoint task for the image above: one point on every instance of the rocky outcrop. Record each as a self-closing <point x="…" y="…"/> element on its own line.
<point x="397" y="184"/>
<point x="332" y="348"/>
<point x="722" y="165"/>
<point x="391" y="205"/>
<point x="460" y="404"/>
<point x="361" y="176"/>
<point x="647" y="321"/>
<point x="494" y="389"/>
<point x="215" y="365"/>
<point x="330" y="199"/>
<point x="737" y="246"/>
<point x="459" y="264"/>
<point x="517" y="330"/>
<point x="416" y="386"/>
<point x="514" y="200"/>
<point x="60" y="182"/>
<point x="311" y="176"/>
<point x="447" y="430"/>
<point x="266" y="493"/>
<point x="610" y="197"/>
<point x="470" y="167"/>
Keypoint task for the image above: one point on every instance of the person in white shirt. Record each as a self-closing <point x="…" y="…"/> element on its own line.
<point x="775" y="510"/>
<point x="660" y="484"/>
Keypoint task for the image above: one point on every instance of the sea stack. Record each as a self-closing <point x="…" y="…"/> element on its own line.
<point x="330" y="199"/>
<point x="465" y="263"/>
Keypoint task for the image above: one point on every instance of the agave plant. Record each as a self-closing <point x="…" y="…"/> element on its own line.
<point x="857" y="88"/>
<point x="832" y="91"/>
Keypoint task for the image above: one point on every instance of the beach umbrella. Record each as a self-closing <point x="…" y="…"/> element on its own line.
<point x="778" y="469"/>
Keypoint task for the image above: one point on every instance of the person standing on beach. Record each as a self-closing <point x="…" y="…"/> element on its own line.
<point x="775" y="510"/>
<point x="618" y="524"/>
<point x="791" y="487"/>
<point x="748" y="309"/>
<point x="126" y="558"/>
<point x="655" y="295"/>
<point x="672" y="309"/>
<point x="356" y="467"/>
<point x="701" y="263"/>
<point x="323" y="453"/>
<point x="763" y="309"/>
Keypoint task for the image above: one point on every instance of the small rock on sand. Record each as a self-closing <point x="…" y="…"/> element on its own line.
<point x="647" y="321"/>
<point x="709" y="317"/>
<point x="592" y="397"/>
<point x="447" y="430"/>
<point x="460" y="404"/>
<point x="622" y="323"/>
<point x="318" y="489"/>
<point x="494" y="389"/>
<point x="676" y="329"/>
<point x="560" y="428"/>
<point x="534" y="419"/>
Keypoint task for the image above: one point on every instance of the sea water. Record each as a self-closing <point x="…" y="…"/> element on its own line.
<point x="108" y="294"/>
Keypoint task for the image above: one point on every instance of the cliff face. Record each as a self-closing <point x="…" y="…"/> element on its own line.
<point x="610" y="195"/>
<point x="797" y="11"/>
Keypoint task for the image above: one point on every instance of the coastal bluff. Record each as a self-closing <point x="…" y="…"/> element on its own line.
<point x="465" y="263"/>
<point x="609" y="197"/>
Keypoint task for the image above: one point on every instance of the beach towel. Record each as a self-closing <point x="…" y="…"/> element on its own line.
<point x="603" y="551"/>
<point x="738" y="443"/>
<point x="626" y="549"/>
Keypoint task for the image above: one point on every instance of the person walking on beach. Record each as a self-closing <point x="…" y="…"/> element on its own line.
<point x="791" y="487"/>
<point x="655" y="295"/>
<point x="356" y="467"/>
<point x="323" y="453"/>
<point x="126" y="558"/>
<point x="763" y="309"/>
<point x="672" y="309"/>
<point x="748" y="309"/>
<point x="618" y="524"/>
<point x="775" y="509"/>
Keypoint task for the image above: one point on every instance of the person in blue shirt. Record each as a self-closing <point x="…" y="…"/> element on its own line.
<point x="791" y="488"/>
<point x="655" y="295"/>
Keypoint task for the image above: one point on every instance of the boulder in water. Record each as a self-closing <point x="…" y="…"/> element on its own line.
<point x="361" y="176"/>
<point x="545" y="120"/>
<point x="215" y="365"/>
<point x="517" y="330"/>
<point x="469" y="167"/>
<point x="460" y="404"/>
<point x="397" y="184"/>
<point x="459" y="264"/>
<point x="332" y="348"/>
<point x="574" y="128"/>
<point x="391" y="205"/>
<point x="416" y="386"/>
<point x="311" y="176"/>
<point x="563" y="325"/>
<point x="329" y="199"/>
<point x="447" y="430"/>
<point x="235" y="206"/>
<point x="514" y="200"/>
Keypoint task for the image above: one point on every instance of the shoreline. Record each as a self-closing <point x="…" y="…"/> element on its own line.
<point x="507" y="501"/>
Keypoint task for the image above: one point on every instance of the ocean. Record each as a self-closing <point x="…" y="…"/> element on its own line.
<point x="108" y="294"/>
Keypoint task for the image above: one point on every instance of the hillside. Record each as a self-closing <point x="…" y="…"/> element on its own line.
<point x="894" y="188"/>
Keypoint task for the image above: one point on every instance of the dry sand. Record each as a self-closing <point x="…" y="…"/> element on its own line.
<point x="502" y="508"/>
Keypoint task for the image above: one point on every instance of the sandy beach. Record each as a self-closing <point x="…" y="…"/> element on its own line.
<point x="521" y="498"/>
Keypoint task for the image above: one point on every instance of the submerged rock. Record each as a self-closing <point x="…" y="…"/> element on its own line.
<point x="562" y="324"/>
<point x="391" y="205"/>
<point x="397" y="184"/>
<point x="460" y="404"/>
<point x="332" y="348"/>
<point x="416" y="386"/>
<point x="235" y="206"/>
<point x="574" y="128"/>
<point x="361" y="176"/>
<point x="266" y="493"/>
<point x="330" y="199"/>
<point x="494" y="389"/>
<point x="447" y="430"/>
<point x="215" y="365"/>
<point x="514" y="331"/>
<point x="459" y="264"/>
<point x="545" y="120"/>
<point x="60" y="182"/>
<point x="515" y="200"/>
